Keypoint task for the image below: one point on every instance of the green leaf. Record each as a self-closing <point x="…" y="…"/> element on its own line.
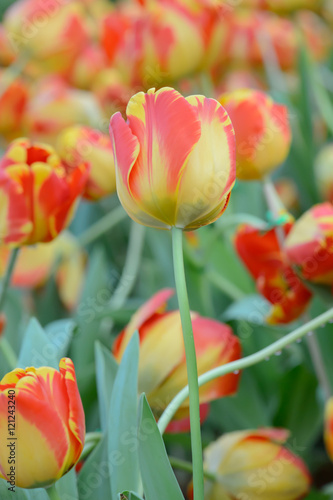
<point x="60" y="334"/>
<point x="128" y="495"/>
<point x="253" y="309"/>
<point x="5" y="494"/>
<point x="158" y="478"/>
<point x="36" y="349"/>
<point x="67" y="486"/>
<point x="106" y="371"/>
<point x="122" y="425"/>
<point x="93" y="480"/>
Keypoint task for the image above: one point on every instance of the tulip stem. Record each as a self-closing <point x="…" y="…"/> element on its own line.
<point x="178" y="463"/>
<point x="52" y="493"/>
<point x="131" y="267"/>
<point x="7" y="277"/>
<point x="191" y="363"/>
<point x="102" y="226"/>
<point x="242" y="363"/>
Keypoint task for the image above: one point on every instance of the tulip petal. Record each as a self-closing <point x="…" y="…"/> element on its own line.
<point x="210" y="173"/>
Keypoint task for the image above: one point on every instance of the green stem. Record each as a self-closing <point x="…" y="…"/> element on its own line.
<point x="131" y="267"/>
<point x="191" y="363"/>
<point x="242" y="363"/>
<point x="177" y="463"/>
<point x="7" y="277"/>
<point x="319" y="366"/>
<point x="52" y="493"/>
<point x="102" y="226"/>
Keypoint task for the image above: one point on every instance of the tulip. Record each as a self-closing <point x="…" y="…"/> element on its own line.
<point x="55" y="106"/>
<point x="162" y="365"/>
<point x="13" y="102"/>
<point x="275" y="278"/>
<point x="53" y="33"/>
<point x="36" y="263"/>
<point x="38" y="193"/>
<point x="288" y="193"/>
<point x="175" y="159"/>
<point x="328" y="429"/>
<point x="49" y="425"/>
<point x="309" y="244"/>
<point x="7" y="54"/>
<point x="324" y="172"/>
<point x="153" y="45"/>
<point x="87" y="66"/>
<point x="111" y="91"/>
<point x="263" y="138"/>
<point x="80" y="144"/>
<point x="253" y="465"/>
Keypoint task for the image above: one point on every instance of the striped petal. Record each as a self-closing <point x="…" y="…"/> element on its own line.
<point x="210" y="172"/>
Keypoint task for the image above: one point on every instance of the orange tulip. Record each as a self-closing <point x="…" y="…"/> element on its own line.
<point x="309" y="244"/>
<point x="13" y="102"/>
<point x="49" y="426"/>
<point x="35" y="264"/>
<point x="53" y="33"/>
<point x="253" y="465"/>
<point x="323" y="170"/>
<point x="80" y="144"/>
<point x="162" y="364"/>
<point x="275" y="278"/>
<point x="7" y="54"/>
<point x="175" y="159"/>
<point x="38" y="193"/>
<point x="263" y="134"/>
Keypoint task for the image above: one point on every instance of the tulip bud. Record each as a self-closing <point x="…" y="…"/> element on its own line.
<point x="162" y="362"/>
<point x="328" y="430"/>
<point x="38" y="193"/>
<point x="87" y="66"/>
<point x="275" y="278"/>
<point x="323" y="170"/>
<point x="263" y="134"/>
<point x="55" y="106"/>
<point x="253" y="465"/>
<point x="47" y="436"/>
<point x="309" y="245"/>
<point x="35" y="265"/>
<point x="175" y="159"/>
<point x="80" y="144"/>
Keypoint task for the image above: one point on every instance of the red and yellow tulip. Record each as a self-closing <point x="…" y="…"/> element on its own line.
<point x="38" y="193"/>
<point x="162" y="364"/>
<point x="275" y="278"/>
<point x="328" y="429"/>
<point x="175" y="159"/>
<point x="35" y="264"/>
<point x="255" y="465"/>
<point x="13" y="102"/>
<point x="309" y="244"/>
<point x="49" y="423"/>
<point x="79" y="144"/>
<point x="323" y="170"/>
<point x="53" y="33"/>
<point x="263" y="139"/>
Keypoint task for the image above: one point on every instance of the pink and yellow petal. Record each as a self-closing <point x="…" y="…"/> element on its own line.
<point x="210" y="172"/>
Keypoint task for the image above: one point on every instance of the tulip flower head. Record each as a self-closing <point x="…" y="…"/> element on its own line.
<point x="324" y="172"/>
<point x="263" y="134"/>
<point x="80" y="144"/>
<point x="328" y="430"/>
<point x="174" y="158"/>
<point x="38" y="193"/>
<point x="13" y="102"/>
<point x="309" y="244"/>
<point x="49" y="423"/>
<point x="162" y="364"/>
<point x="255" y="465"/>
<point x="275" y="278"/>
